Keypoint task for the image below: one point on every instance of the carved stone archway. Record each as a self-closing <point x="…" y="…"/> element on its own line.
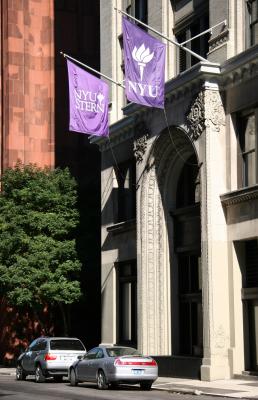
<point x="154" y="237"/>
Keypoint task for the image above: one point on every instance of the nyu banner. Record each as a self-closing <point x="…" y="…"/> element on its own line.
<point x="144" y="58"/>
<point x="88" y="102"/>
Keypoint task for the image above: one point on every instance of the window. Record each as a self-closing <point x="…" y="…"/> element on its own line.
<point x="246" y="126"/>
<point x="100" y="354"/>
<point x="252" y="22"/>
<point x="42" y="344"/>
<point x="92" y="354"/>
<point x="138" y="9"/>
<point x="127" y="302"/>
<point x="66" y="344"/>
<point x="188" y="188"/>
<point x="125" y="191"/>
<point x="122" y="351"/>
<point x="190" y="305"/>
<point x="199" y="45"/>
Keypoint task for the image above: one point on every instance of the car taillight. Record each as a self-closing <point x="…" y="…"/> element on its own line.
<point x="151" y="363"/>
<point x="49" y="357"/>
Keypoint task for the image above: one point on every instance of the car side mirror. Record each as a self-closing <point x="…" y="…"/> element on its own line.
<point x="80" y="357"/>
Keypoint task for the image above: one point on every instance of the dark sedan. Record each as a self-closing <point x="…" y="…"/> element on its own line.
<point x="111" y="365"/>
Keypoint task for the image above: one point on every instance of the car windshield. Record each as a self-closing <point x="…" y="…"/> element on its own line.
<point x="66" y="344"/>
<point x="122" y="351"/>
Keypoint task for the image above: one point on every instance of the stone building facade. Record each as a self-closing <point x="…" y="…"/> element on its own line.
<point x="180" y="195"/>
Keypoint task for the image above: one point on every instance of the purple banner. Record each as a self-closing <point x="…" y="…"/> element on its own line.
<point x="88" y="102"/>
<point x="144" y="58"/>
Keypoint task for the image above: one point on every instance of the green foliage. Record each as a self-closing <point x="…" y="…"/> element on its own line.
<point x="38" y="218"/>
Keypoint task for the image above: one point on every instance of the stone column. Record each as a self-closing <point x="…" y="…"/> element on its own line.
<point x="214" y="238"/>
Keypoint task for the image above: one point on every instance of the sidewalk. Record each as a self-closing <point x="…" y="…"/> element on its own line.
<point x="234" y="388"/>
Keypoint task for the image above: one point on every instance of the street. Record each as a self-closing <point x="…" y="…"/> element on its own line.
<point x="10" y="389"/>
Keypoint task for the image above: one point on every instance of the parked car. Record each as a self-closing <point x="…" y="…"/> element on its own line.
<point x="111" y="365"/>
<point x="49" y="357"/>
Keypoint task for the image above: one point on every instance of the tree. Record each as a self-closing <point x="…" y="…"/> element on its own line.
<point x="38" y="218"/>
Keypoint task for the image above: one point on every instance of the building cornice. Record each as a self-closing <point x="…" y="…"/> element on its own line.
<point x="237" y="69"/>
<point x="240" y="68"/>
<point x="239" y="196"/>
<point x="118" y="132"/>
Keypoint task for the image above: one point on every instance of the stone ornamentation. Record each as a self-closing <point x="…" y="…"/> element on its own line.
<point x="214" y="111"/>
<point x="196" y="117"/>
<point x="141" y="141"/>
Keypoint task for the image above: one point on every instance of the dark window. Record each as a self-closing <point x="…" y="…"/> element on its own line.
<point x="66" y="344"/>
<point x="127" y="304"/>
<point x="190" y="305"/>
<point x="125" y="193"/>
<point x="141" y="10"/>
<point x="252" y="22"/>
<point x="92" y="354"/>
<point x="100" y="353"/>
<point x="34" y="346"/>
<point x="251" y="264"/>
<point x="122" y="351"/>
<point x="199" y="45"/>
<point x="138" y="9"/>
<point x="42" y="344"/>
<point x="246" y="126"/>
<point x="188" y="188"/>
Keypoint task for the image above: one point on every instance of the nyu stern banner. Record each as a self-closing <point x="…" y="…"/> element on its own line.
<point x="144" y="58"/>
<point x="88" y="97"/>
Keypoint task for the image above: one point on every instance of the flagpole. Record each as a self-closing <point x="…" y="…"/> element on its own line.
<point x="92" y="69"/>
<point x="164" y="37"/>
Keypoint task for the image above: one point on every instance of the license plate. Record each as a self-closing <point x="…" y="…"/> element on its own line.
<point x="138" y="371"/>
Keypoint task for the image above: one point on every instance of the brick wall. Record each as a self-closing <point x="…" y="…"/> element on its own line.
<point x="27" y="78"/>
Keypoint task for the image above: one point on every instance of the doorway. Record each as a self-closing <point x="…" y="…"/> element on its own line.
<point x="249" y="258"/>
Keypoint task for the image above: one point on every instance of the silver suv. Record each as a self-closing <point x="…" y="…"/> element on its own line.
<point x="49" y="357"/>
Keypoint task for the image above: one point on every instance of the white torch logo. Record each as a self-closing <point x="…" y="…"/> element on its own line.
<point x="142" y="56"/>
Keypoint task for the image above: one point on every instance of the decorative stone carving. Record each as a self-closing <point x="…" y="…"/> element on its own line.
<point x="206" y="111"/>
<point x="214" y="111"/>
<point x="218" y="40"/>
<point x="196" y="117"/>
<point x="140" y="146"/>
<point x="219" y="338"/>
<point x="141" y="141"/>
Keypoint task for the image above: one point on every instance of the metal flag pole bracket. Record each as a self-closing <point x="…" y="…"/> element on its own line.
<point x="164" y="36"/>
<point x="224" y="23"/>
<point x="92" y="69"/>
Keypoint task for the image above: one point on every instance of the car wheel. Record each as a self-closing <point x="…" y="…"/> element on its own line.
<point x="101" y="380"/>
<point x="58" y="378"/>
<point x="39" y="377"/>
<point x="146" y="385"/>
<point x="20" y="374"/>
<point x="73" y="380"/>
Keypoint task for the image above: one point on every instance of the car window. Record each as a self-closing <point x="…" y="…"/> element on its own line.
<point x="32" y="345"/>
<point x="35" y="346"/>
<point x="122" y="351"/>
<point x="42" y="344"/>
<point x="100" y="353"/>
<point x="66" y="344"/>
<point x="91" y="355"/>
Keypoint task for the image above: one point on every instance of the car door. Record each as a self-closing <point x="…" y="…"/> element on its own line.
<point x="84" y="366"/>
<point x="96" y="363"/>
<point x="29" y="356"/>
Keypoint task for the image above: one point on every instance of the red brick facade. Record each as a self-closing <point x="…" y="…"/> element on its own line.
<point x="27" y="82"/>
<point x="27" y="122"/>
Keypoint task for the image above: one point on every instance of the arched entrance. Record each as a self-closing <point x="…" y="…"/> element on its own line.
<point x="169" y="246"/>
